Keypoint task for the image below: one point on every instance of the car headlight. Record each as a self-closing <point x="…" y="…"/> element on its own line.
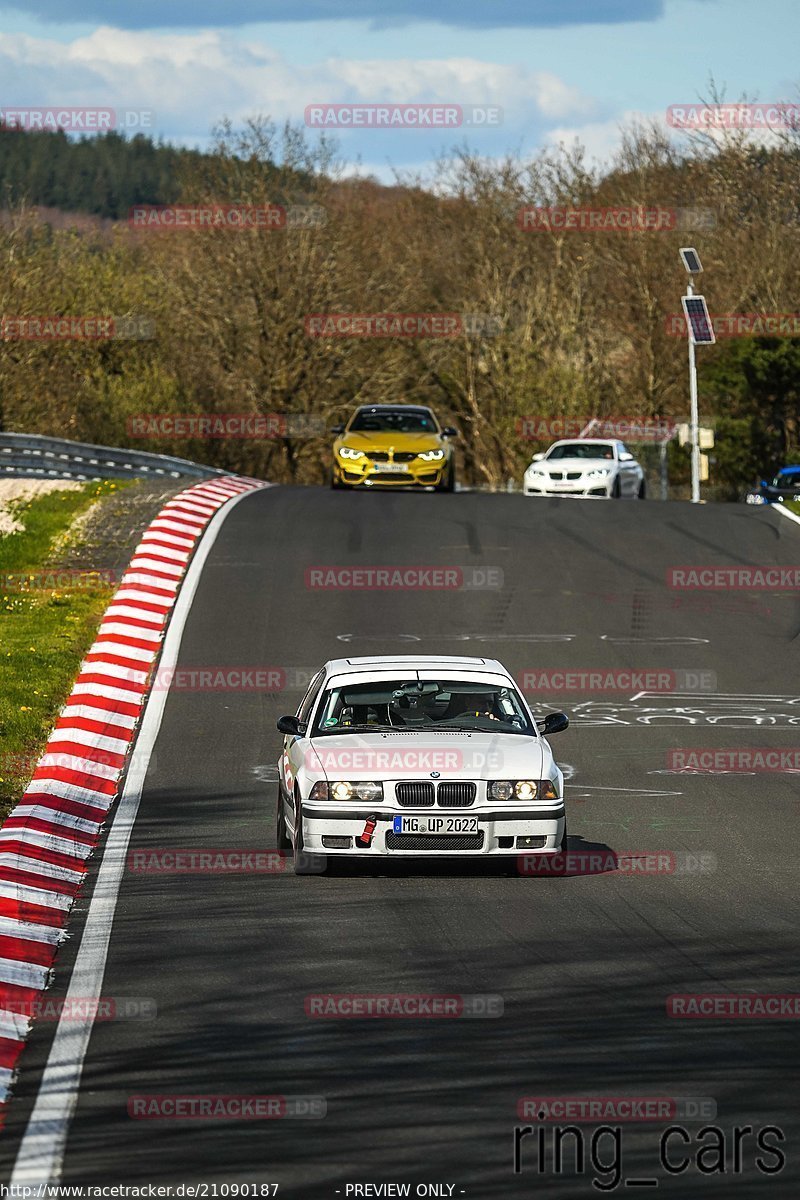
<point x="360" y="790"/>
<point x="522" y="789"/>
<point x="536" y="471"/>
<point x="598" y="472"/>
<point x="431" y="455"/>
<point x="349" y="452"/>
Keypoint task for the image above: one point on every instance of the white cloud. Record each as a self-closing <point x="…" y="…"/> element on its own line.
<point x="191" y="80"/>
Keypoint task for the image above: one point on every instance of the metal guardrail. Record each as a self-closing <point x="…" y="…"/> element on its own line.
<point x="34" y="456"/>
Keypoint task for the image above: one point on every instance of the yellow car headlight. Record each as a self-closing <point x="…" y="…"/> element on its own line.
<point x="349" y="452"/>
<point x="431" y="455"/>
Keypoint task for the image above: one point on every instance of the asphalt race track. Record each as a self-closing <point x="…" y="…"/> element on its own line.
<point x="584" y="964"/>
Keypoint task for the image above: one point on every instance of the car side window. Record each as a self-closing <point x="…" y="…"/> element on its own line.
<point x="307" y="703"/>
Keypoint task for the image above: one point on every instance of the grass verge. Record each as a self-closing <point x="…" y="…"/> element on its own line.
<point x="45" y="630"/>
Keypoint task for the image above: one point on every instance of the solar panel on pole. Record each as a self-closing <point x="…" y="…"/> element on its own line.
<point x="698" y="321"/>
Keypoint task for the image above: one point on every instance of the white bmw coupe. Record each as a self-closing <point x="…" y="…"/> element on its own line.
<point x="413" y="756"/>
<point x="586" y="467"/>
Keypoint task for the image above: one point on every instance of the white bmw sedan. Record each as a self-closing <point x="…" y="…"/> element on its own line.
<point x="414" y="756"/>
<point x="585" y="467"/>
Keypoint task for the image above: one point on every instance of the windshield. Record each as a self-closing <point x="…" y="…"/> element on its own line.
<point x="446" y="704"/>
<point x="580" y="450"/>
<point x="788" y="479"/>
<point x="394" y="420"/>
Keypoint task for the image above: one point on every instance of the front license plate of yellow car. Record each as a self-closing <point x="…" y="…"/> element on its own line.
<point x="443" y="825"/>
<point x="397" y="468"/>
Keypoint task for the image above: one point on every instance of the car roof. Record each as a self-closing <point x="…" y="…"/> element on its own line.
<point x="415" y="662"/>
<point x="790" y="470"/>
<point x="589" y="441"/>
<point x="377" y="408"/>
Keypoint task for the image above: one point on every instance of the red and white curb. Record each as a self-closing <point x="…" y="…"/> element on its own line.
<point x="49" y="835"/>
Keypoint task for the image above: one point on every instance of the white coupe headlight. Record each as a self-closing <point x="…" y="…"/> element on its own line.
<point x="431" y="455"/>
<point x="598" y="472"/>
<point x="522" y="789"/>
<point x="360" y="790"/>
<point x="349" y="452"/>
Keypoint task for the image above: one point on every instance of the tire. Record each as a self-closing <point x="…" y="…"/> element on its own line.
<point x="449" y="483"/>
<point x="616" y="490"/>
<point x="336" y="484"/>
<point x="282" y="840"/>
<point x="642" y="493"/>
<point x="305" y="863"/>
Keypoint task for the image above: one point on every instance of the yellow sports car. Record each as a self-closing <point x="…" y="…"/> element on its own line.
<point x="394" y="445"/>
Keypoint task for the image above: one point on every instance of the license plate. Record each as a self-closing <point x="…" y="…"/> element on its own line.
<point x="442" y="825"/>
<point x="392" y="468"/>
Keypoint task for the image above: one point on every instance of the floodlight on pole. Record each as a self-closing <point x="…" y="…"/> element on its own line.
<point x="701" y="333"/>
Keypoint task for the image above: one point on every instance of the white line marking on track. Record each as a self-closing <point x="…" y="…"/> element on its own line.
<point x="41" y="1152"/>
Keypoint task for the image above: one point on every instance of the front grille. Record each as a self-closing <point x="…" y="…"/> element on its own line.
<point x="573" y="474"/>
<point x="433" y="841"/>
<point x="395" y="476"/>
<point x="455" y="795"/>
<point x="414" y="795"/>
<point x="404" y="456"/>
<point x="556" y="474"/>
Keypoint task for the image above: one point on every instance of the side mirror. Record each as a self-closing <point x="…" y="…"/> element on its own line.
<point x="625" y="456"/>
<point x="337" y="428"/>
<point x="538" y="457"/>
<point x="554" y="723"/>
<point x="291" y="726"/>
<point x="449" y="431"/>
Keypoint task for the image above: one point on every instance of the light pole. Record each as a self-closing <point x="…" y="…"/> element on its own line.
<point x="701" y="333"/>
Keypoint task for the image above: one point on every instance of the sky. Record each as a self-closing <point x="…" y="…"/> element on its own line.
<point x="539" y="72"/>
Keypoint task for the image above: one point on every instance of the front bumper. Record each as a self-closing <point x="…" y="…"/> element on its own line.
<point x="369" y="474"/>
<point x="543" y="487"/>
<point x="498" y="831"/>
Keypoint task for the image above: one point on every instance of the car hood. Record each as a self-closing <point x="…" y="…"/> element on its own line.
<point x="414" y="442"/>
<point x="573" y="464"/>
<point x="395" y="756"/>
